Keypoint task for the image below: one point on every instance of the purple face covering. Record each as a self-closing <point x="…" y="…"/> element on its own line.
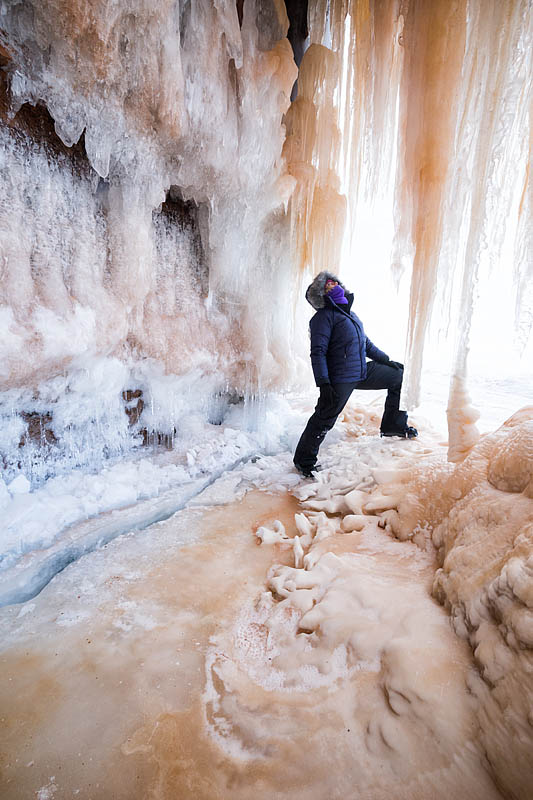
<point x="337" y="295"/>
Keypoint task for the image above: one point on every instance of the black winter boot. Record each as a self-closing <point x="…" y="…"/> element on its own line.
<point x="396" y="425"/>
<point x="307" y="472"/>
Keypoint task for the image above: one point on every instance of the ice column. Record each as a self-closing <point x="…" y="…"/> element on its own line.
<point x="462" y="431"/>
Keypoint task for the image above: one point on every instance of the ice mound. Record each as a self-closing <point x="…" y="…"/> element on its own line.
<point x="511" y="467"/>
<point x="327" y="613"/>
<point x="479" y="515"/>
<point x="462" y="416"/>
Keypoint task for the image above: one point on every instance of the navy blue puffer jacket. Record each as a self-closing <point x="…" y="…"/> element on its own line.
<point x="339" y="345"/>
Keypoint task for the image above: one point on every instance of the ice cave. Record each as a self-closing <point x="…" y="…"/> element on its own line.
<point x="183" y="615"/>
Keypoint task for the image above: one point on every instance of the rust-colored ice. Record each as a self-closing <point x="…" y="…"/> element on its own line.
<point x="152" y="671"/>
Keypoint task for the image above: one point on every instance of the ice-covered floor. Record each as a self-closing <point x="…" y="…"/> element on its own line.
<point x="46" y="527"/>
<point x="269" y="639"/>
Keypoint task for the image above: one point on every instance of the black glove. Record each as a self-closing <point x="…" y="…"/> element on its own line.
<point x="328" y="395"/>
<point x="393" y="364"/>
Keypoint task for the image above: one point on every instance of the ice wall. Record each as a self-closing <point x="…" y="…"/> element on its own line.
<point x="144" y="232"/>
<point x="163" y="199"/>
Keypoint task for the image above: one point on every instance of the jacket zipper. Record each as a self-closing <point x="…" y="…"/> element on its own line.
<point x="362" y="358"/>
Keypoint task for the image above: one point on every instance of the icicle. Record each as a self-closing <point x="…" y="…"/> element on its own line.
<point x="433" y="40"/>
<point x="442" y="93"/>
<point x="318" y="209"/>
<point x="462" y="431"/>
<point x="486" y="167"/>
<point x="524" y="241"/>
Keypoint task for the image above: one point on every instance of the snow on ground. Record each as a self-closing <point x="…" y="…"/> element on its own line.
<point x="495" y="398"/>
<point x="41" y="530"/>
<point x="33" y="519"/>
<point x="39" y="527"/>
<point x="275" y="637"/>
<point x="184" y="660"/>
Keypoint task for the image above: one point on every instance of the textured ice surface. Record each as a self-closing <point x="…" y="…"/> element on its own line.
<point x="479" y="515"/>
<point x="187" y="660"/>
<point x="70" y="515"/>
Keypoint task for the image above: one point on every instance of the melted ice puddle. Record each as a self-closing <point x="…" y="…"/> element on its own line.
<point x="161" y="668"/>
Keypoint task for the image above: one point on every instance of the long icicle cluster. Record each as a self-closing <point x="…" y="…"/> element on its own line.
<point x="431" y="101"/>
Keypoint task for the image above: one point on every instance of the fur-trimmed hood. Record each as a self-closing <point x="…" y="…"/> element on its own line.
<point x="315" y="291"/>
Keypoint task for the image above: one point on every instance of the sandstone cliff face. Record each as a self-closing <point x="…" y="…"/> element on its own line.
<point x="172" y="190"/>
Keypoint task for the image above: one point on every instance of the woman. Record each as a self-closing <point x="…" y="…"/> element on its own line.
<point x="339" y="349"/>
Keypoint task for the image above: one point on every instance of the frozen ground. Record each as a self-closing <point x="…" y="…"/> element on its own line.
<point x="270" y="638"/>
<point x="496" y="398"/>
<point x="185" y="661"/>
<point x="42" y="530"/>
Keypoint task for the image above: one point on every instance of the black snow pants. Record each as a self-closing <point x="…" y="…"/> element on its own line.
<point x="379" y="376"/>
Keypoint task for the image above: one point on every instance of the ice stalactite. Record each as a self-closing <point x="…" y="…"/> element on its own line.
<point x="489" y="157"/>
<point x="524" y="249"/>
<point x="433" y="39"/>
<point x="432" y="102"/>
<point x="346" y="93"/>
<point x="312" y="150"/>
<point x="386" y="77"/>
